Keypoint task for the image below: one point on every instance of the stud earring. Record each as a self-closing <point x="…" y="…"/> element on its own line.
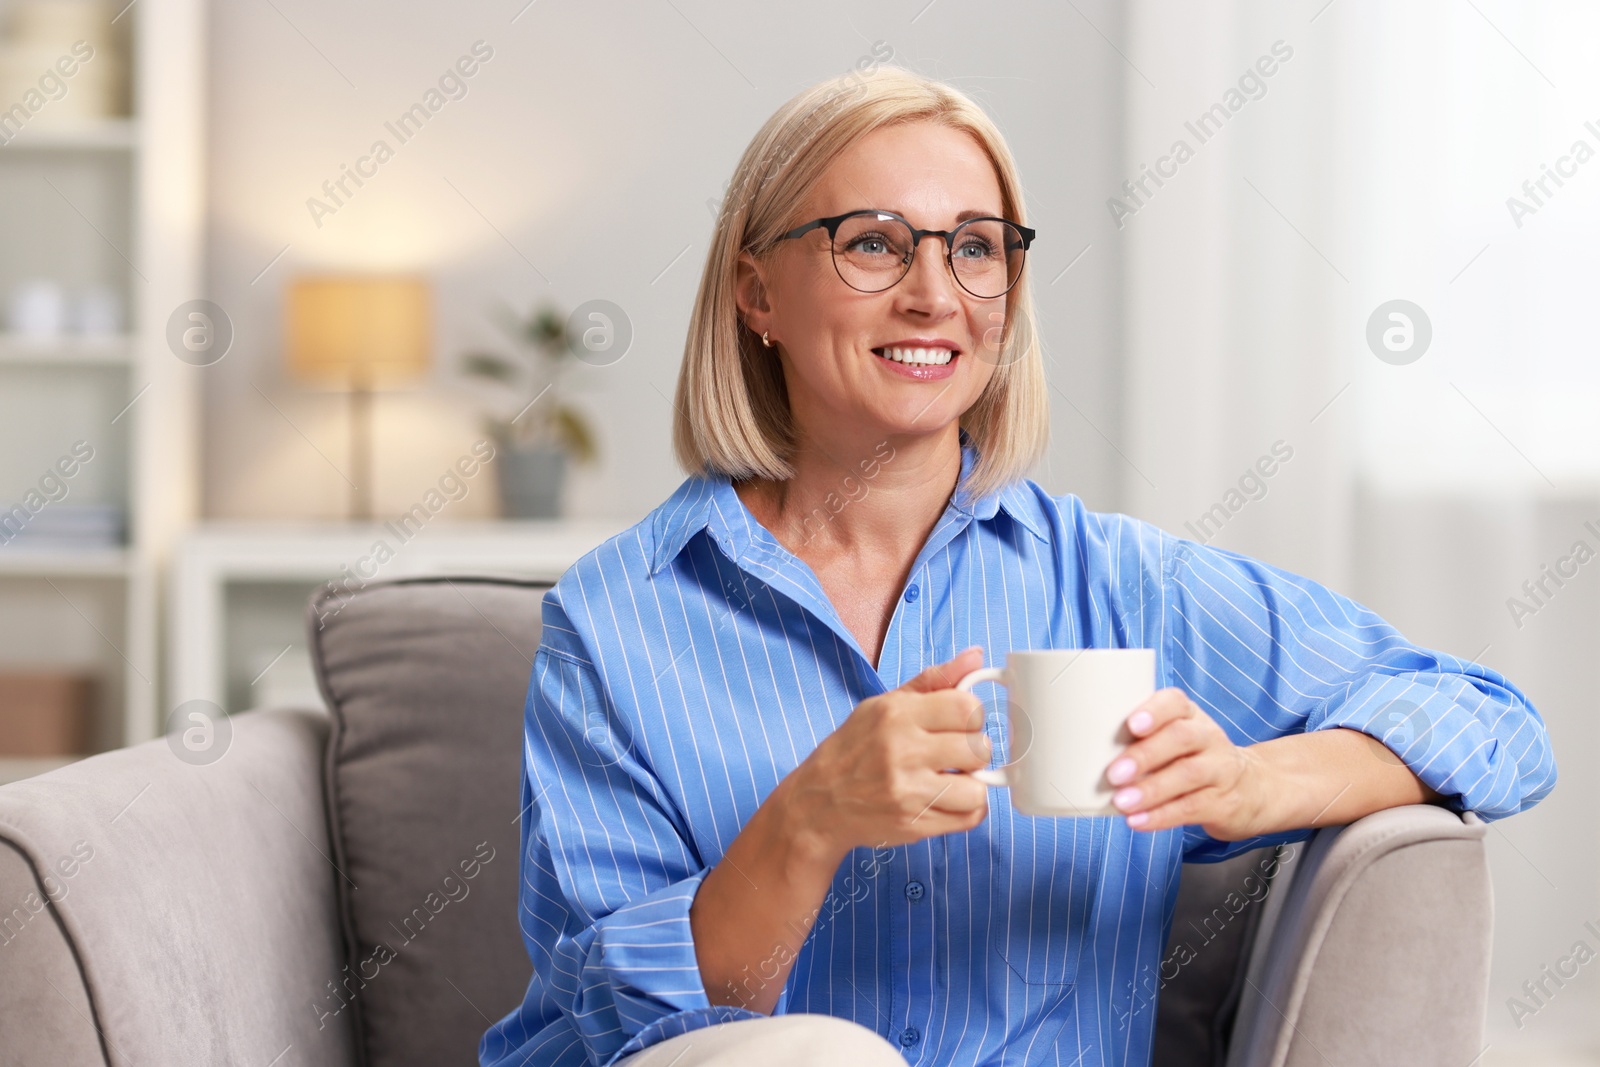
<point x="764" y="338"/>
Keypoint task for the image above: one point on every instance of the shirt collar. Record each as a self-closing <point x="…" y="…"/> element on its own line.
<point x="709" y="501"/>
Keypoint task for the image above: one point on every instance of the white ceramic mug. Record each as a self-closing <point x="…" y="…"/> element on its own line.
<point x="1068" y="711"/>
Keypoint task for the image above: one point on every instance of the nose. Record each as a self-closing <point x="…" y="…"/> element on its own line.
<point x="928" y="286"/>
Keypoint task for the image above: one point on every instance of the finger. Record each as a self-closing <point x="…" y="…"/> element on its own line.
<point x="947" y="709"/>
<point x="945" y="675"/>
<point x="958" y="750"/>
<point x="1177" y="779"/>
<point x="1158" y="710"/>
<point x="1172" y="740"/>
<point x="1188" y="810"/>
<point x="952" y="794"/>
<point x="937" y="823"/>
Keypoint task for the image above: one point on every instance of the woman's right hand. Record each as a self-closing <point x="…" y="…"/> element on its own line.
<point x="875" y="781"/>
<point x="878" y="780"/>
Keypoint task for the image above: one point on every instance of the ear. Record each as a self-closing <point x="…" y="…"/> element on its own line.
<point x="751" y="295"/>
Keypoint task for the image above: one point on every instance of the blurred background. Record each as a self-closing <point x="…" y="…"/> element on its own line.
<point x="297" y="293"/>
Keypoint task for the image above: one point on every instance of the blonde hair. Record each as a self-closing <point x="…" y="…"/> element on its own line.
<point x="732" y="405"/>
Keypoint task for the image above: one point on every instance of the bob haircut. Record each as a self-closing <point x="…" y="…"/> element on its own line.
<point x="732" y="409"/>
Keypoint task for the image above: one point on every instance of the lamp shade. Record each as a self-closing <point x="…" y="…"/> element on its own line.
<point x="358" y="331"/>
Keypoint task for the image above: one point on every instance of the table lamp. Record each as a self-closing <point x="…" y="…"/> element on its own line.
<point x="359" y="333"/>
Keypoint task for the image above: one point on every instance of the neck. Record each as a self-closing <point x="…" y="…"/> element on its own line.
<point x="859" y="495"/>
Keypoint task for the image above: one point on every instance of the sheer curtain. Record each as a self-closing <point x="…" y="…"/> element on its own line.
<point x="1377" y="162"/>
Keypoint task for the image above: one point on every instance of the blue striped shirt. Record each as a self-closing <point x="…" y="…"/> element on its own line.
<point x="690" y="663"/>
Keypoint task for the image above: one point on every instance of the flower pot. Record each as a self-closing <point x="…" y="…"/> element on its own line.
<point x="531" y="480"/>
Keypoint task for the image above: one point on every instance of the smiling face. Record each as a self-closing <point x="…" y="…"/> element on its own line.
<point x="834" y="340"/>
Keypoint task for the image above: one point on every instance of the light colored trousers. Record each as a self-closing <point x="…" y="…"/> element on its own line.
<point x="780" y="1041"/>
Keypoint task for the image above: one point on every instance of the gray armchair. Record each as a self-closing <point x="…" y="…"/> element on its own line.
<point x="341" y="889"/>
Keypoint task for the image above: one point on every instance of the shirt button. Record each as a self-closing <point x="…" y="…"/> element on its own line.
<point x="914" y="891"/>
<point x="909" y="1036"/>
<point x="912" y="592"/>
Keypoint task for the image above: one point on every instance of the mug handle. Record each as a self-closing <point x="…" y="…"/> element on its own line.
<point x="992" y="776"/>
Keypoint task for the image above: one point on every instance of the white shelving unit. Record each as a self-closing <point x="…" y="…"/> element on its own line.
<point x="71" y="351"/>
<point x="239" y="590"/>
<point x="117" y="203"/>
<point x="111" y="135"/>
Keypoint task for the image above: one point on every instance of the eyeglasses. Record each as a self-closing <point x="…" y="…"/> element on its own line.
<point x="872" y="250"/>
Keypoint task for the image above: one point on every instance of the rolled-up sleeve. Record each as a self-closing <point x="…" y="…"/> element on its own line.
<point x="1268" y="653"/>
<point x="608" y="875"/>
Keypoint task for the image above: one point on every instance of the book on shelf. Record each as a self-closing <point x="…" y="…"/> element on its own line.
<point x="44" y="711"/>
<point x="63" y="528"/>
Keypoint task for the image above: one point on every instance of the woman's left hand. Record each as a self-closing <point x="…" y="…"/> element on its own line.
<point x="1183" y="769"/>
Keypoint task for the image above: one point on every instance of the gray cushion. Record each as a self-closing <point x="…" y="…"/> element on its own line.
<point x="426" y="681"/>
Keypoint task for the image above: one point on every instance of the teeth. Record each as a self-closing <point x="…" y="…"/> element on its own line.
<point x="935" y="357"/>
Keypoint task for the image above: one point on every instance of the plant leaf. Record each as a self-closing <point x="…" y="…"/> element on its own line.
<point x="491" y="366"/>
<point x="573" y="430"/>
<point x="549" y="328"/>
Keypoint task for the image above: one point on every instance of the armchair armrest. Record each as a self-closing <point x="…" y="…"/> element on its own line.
<point x="154" y="911"/>
<point x="1379" y="950"/>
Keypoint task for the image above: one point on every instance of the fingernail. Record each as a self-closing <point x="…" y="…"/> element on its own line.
<point x="1138" y="820"/>
<point x="1140" y="721"/>
<point x="1120" y="771"/>
<point x="1126" y="798"/>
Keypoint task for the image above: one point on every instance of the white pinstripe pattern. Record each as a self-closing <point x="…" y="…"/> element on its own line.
<point x="690" y="663"/>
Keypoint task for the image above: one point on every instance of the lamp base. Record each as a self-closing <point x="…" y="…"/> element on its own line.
<point x="360" y="453"/>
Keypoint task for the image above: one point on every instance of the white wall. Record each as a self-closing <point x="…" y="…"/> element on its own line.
<point x="586" y="151"/>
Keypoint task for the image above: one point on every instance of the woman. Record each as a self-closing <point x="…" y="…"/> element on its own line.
<point x="742" y="839"/>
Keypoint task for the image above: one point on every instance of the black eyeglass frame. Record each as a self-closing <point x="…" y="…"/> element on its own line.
<point x="832" y="226"/>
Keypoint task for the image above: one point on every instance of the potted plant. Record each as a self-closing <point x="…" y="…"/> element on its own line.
<point x="537" y="437"/>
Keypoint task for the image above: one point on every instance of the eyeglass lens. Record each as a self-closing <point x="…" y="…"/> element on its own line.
<point x="872" y="252"/>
